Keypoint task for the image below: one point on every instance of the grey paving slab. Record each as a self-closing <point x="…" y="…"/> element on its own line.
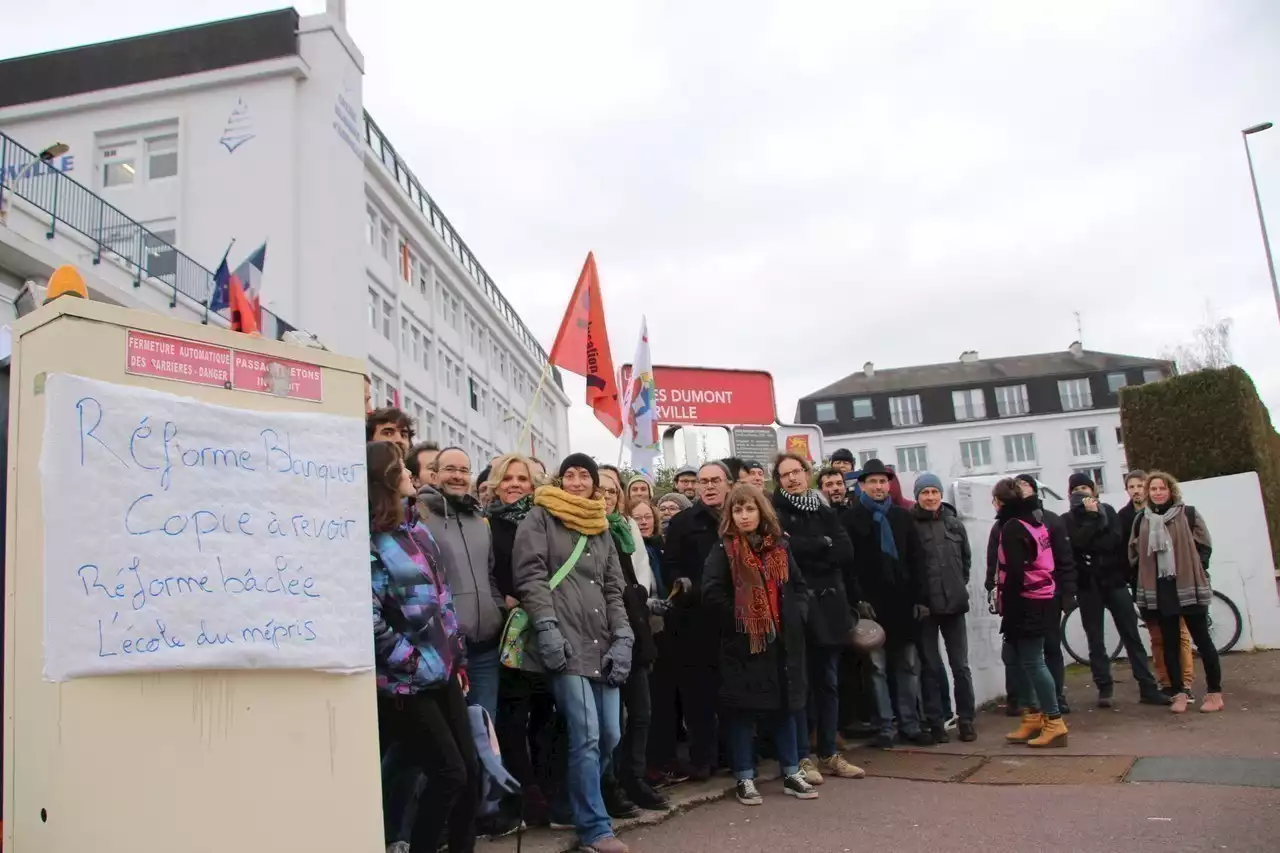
<point x="1222" y="770"/>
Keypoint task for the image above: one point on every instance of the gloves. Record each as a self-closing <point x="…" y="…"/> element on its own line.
<point x="658" y="606"/>
<point x="553" y="648"/>
<point x="865" y="610"/>
<point x="617" y="661"/>
<point x="920" y="612"/>
<point x="1069" y="602"/>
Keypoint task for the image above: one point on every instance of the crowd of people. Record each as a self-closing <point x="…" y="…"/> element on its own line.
<point x="558" y="647"/>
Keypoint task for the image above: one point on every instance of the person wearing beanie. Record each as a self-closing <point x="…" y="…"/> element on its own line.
<point x="947" y="560"/>
<point x="842" y="460"/>
<point x="686" y="481"/>
<point x="583" y="461"/>
<point x="670" y="505"/>
<point x="484" y="491"/>
<point x="1064" y="577"/>
<point x="639" y="486"/>
<point x="1100" y="551"/>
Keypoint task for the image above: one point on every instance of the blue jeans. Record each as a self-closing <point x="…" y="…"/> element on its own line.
<point x="824" y="700"/>
<point x="482" y="672"/>
<point x="783" y="725"/>
<point x="1032" y="681"/>
<point x="906" y="676"/>
<point x="592" y="713"/>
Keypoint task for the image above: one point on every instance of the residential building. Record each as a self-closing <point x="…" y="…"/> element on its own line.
<point x="252" y="129"/>
<point x="1048" y="414"/>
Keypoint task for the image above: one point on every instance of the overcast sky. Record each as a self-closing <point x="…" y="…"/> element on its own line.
<point x="801" y="188"/>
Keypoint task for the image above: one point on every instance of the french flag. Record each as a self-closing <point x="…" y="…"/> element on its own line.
<point x="250" y="275"/>
<point x="229" y="292"/>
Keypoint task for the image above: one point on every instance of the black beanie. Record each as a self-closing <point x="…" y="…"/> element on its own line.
<point x="1030" y="481"/>
<point x="1081" y="479"/>
<point x="843" y="454"/>
<point x="582" y="460"/>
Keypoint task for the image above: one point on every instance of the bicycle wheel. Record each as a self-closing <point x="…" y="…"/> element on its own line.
<point x="1073" y="636"/>
<point x="1225" y="625"/>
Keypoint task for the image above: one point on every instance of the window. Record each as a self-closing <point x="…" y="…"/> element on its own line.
<point x="427" y="425"/>
<point x="415" y="345"/>
<point x="377" y="390"/>
<point x="500" y="358"/>
<point x="913" y="459"/>
<point x="374" y="311"/>
<point x="162" y="258"/>
<point x="825" y="412"/>
<point x="119" y="166"/>
<point x="1075" y="394"/>
<point x="162" y="157"/>
<point x="1020" y="449"/>
<point x="1084" y="442"/>
<point x="862" y="408"/>
<point x="388" y="314"/>
<point x="970" y="404"/>
<point x="371" y="226"/>
<point x="404" y="334"/>
<point x="1116" y="381"/>
<point x="865" y="456"/>
<point x="1094" y="474"/>
<point x="1152" y="374"/>
<point x="449" y="308"/>
<point x="904" y="411"/>
<point x="473" y="394"/>
<point x="384" y="238"/>
<point x="1120" y="436"/>
<point x="422" y="274"/>
<point x="426" y="352"/>
<point x="1011" y="400"/>
<point x="976" y="453"/>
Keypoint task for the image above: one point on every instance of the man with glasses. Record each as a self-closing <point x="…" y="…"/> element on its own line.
<point x="686" y="482"/>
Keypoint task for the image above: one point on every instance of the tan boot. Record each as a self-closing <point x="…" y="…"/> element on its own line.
<point x="1054" y="733"/>
<point x="1032" y="723"/>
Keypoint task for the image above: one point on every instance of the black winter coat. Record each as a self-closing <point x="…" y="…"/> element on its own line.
<point x="694" y="633"/>
<point x="503" y="535"/>
<point x="820" y="545"/>
<point x="775" y="679"/>
<point x="1100" y="548"/>
<point x="947" y="559"/>
<point x="892" y="587"/>
<point x="1064" y="564"/>
<point x="635" y="598"/>
<point x="1022" y="617"/>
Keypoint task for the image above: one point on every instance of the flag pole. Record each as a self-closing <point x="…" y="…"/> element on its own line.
<point x="209" y="298"/>
<point x="533" y="406"/>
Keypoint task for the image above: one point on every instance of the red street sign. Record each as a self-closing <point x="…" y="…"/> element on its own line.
<point x="278" y="376"/>
<point x="178" y="359"/>
<point x="706" y="396"/>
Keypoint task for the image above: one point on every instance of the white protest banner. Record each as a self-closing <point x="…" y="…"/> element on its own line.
<point x="184" y="535"/>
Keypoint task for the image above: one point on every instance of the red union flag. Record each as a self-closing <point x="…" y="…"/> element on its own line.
<point x="582" y="347"/>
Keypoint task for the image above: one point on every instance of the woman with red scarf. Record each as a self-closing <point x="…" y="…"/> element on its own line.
<point x="752" y="582"/>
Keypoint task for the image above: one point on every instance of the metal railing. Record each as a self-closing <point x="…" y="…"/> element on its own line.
<point x="421" y="199"/>
<point x="110" y="232"/>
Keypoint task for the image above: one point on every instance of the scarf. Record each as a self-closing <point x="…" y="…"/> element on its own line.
<point x="1159" y="542"/>
<point x="756" y="585"/>
<point x="807" y="502"/>
<point x="581" y="515"/>
<point x="880" y="513"/>
<point x="513" y="512"/>
<point x="620" y="527"/>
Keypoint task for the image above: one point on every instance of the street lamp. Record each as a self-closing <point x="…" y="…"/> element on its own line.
<point x="1257" y="200"/>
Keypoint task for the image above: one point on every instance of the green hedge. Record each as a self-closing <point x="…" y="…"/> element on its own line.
<point x="1205" y="424"/>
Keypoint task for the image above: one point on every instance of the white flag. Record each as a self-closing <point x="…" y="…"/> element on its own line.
<point x="640" y="408"/>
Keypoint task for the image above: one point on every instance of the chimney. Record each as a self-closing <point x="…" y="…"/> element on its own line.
<point x="868" y="370"/>
<point x="1076" y="349"/>
<point x="969" y="356"/>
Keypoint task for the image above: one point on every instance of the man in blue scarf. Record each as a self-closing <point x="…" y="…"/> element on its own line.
<point x="890" y="566"/>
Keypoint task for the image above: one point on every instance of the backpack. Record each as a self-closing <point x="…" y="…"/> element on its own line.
<point x="496" y="784"/>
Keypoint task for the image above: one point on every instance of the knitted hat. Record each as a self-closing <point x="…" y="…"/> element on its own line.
<point x="1078" y="479"/>
<point x="677" y="499"/>
<point x="583" y="461"/>
<point x="640" y="476"/>
<point x="842" y="455"/>
<point x="927" y="480"/>
<point x="1030" y="480"/>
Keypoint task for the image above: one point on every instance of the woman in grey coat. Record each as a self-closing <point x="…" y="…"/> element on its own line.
<point x="582" y="637"/>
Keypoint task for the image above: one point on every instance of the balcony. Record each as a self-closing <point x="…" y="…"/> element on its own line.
<point x="421" y="199"/>
<point x="73" y="210"/>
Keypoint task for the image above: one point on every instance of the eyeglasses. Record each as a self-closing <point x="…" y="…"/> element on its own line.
<point x="454" y="469"/>
<point x="609" y="491"/>
<point x="712" y="481"/>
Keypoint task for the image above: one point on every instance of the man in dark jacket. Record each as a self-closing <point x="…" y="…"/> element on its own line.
<point x="947" y="560"/>
<point x="824" y="555"/>
<point x="694" y="632"/>
<point x="889" y="563"/>
<point x="1096" y="541"/>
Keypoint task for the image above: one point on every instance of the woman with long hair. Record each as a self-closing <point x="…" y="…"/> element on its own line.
<point x="1025" y="601"/>
<point x="752" y="583"/>
<point x="646" y="516"/>
<point x="1171" y="547"/>
<point x="419" y="657"/>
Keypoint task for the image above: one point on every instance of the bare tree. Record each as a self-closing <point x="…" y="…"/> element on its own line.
<point x="1209" y="347"/>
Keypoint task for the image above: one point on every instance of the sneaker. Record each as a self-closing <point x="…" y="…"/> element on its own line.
<point x="919" y="738"/>
<point x="809" y="771"/>
<point x="796" y="786"/>
<point x="837" y="766"/>
<point x="1212" y="703"/>
<point x="609" y="844"/>
<point x="398" y="847"/>
<point x="1154" y="697"/>
<point x="952" y="723"/>
<point x="616" y="802"/>
<point x="1105" y="698"/>
<point x="968" y="733"/>
<point x="939" y="734"/>
<point x="644" y="796"/>
<point x="881" y="742"/>
<point x="748" y="794"/>
<point x="1179" y="704"/>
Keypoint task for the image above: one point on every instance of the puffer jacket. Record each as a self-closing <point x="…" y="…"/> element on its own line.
<point x="416" y="641"/>
<point x="947" y="559"/>
<point x="821" y="547"/>
<point x="463" y="535"/>
<point x="587" y="605"/>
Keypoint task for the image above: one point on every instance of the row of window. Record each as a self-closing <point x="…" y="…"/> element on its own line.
<point x="970" y="404"/>
<point x="976" y="453"/>
<point x="451" y="433"/>
<point x="139" y="159"/>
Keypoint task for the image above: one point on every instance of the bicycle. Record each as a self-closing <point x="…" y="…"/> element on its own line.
<point x="1225" y="627"/>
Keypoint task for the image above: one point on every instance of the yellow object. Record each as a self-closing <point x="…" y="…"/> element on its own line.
<point x="66" y="281"/>
<point x="1054" y="733"/>
<point x="582" y="515"/>
<point x="1032" y="723"/>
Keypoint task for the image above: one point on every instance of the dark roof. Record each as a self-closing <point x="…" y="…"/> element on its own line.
<point x="124" y="62"/>
<point x="986" y="370"/>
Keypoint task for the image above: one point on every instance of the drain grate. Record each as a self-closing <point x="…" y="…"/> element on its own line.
<point x="921" y="766"/>
<point x="1053" y="770"/>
